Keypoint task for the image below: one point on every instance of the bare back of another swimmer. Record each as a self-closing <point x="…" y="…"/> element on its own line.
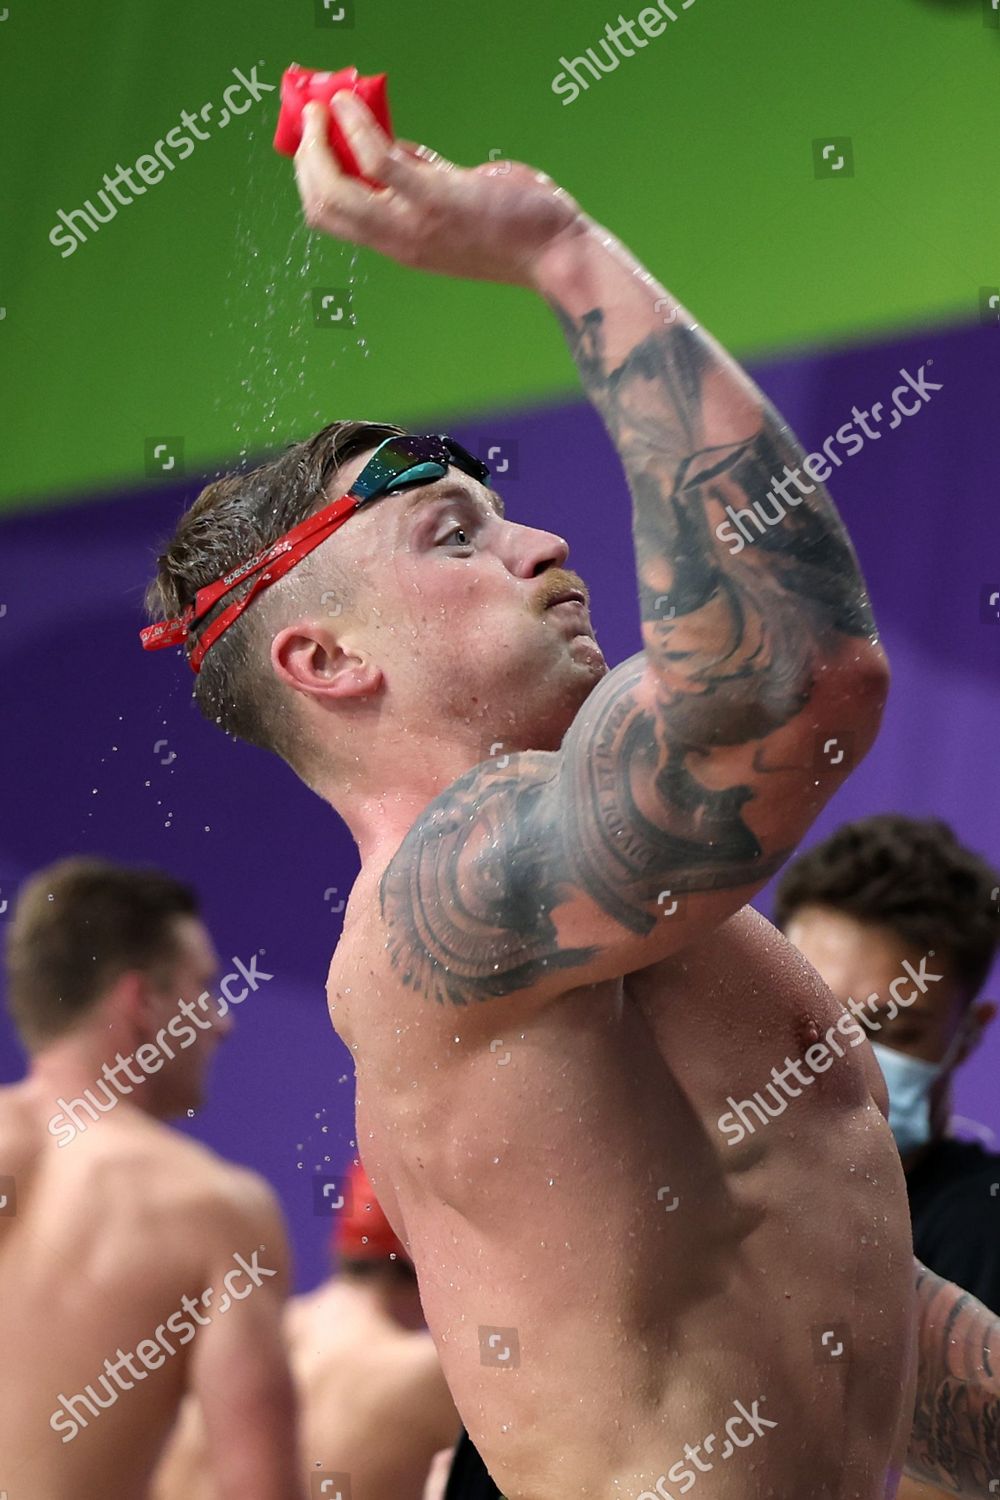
<point x="134" y="1264"/>
<point x="108" y="1236"/>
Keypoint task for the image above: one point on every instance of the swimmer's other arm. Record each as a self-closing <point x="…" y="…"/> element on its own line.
<point x="955" y="1443"/>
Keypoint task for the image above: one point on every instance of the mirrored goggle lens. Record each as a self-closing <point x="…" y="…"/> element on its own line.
<point x="414" y="460"/>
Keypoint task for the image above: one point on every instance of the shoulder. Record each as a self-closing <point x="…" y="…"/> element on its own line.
<point x="464" y="907"/>
<point x="189" y="1179"/>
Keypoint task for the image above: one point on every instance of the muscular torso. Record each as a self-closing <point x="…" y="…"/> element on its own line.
<point x="105" y="1238"/>
<point x="561" y="1181"/>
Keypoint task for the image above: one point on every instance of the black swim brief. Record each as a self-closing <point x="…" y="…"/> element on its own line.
<point x="468" y="1478"/>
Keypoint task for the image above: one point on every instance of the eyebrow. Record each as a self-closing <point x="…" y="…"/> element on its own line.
<point x="453" y="491"/>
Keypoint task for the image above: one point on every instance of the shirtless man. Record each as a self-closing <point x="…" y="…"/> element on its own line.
<point x="373" y="1403"/>
<point x="549" y="975"/>
<point x="134" y="1264"/>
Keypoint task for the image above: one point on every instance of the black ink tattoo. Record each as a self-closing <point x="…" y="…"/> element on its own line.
<point x="955" y="1443"/>
<point x="613" y="818"/>
<point x="654" y="406"/>
<point x="469" y="894"/>
<point x="633" y="805"/>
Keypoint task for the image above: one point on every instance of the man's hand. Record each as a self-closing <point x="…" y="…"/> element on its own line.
<point x="488" y="223"/>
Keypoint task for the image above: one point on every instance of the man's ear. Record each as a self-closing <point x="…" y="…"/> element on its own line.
<point x="130" y="1004"/>
<point x="312" y="658"/>
<point x="983" y="1012"/>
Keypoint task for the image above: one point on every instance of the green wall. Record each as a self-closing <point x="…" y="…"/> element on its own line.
<point x="189" y="315"/>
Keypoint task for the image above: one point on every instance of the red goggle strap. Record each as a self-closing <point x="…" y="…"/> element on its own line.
<point x="278" y="559"/>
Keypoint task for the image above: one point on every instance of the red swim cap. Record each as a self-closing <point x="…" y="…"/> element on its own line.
<point x="362" y="1231"/>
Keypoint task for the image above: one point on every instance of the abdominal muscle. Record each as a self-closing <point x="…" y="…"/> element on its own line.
<point x="609" y="1281"/>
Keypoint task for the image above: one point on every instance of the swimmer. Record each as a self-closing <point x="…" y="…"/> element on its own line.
<point x="135" y="1264"/>
<point x="549" y="974"/>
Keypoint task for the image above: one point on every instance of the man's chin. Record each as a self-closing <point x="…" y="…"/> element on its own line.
<point x="588" y="653"/>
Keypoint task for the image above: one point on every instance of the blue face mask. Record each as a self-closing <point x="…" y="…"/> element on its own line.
<point x="909" y="1081"/>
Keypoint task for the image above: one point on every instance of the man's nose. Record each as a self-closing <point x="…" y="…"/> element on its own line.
<point x="223" y="1026"/>
<point x="535" y="550"/>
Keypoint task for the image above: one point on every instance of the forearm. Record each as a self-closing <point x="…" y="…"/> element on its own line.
<point x="728" y="617"/>
<point x="956" y="1423"/>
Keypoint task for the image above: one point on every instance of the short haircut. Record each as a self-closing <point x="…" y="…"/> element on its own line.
<point x="232" y="520"/>
<point x="908" y="874"/>
<point x="80" y="924"/>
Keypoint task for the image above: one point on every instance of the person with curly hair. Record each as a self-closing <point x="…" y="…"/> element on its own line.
<point x="877" y="895"/>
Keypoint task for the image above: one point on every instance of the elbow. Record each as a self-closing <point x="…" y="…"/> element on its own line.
<point x="871" y="679"/>
<point x="851" y="693"/>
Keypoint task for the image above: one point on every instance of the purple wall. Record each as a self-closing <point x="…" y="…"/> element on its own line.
<point x="84" y="707"/>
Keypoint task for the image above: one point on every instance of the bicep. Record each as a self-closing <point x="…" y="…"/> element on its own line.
<point x="561" y="870"/>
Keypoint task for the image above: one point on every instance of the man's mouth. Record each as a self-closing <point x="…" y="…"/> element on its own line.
<point x="568" y="596"/>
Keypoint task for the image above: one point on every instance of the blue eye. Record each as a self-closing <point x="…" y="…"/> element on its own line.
<point x="458" y="531"/>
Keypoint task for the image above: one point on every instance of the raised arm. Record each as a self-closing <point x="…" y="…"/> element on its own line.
<point x="956" y="1421"/>
<point x="736" y="623"/>
<point x="690" y="772"/>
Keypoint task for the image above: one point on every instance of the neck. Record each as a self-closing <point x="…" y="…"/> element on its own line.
<point x="379" y="819"/>
<point x="366" y="790"/>
<point x="69" y="1066"/>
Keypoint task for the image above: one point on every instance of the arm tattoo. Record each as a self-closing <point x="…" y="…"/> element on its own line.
<point x="785" y="584"/>
<point x="955" y="1442"/>
<point x="625" y="812"/>
<point x="468" y="897"/>
<point x="634" y="819"/>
